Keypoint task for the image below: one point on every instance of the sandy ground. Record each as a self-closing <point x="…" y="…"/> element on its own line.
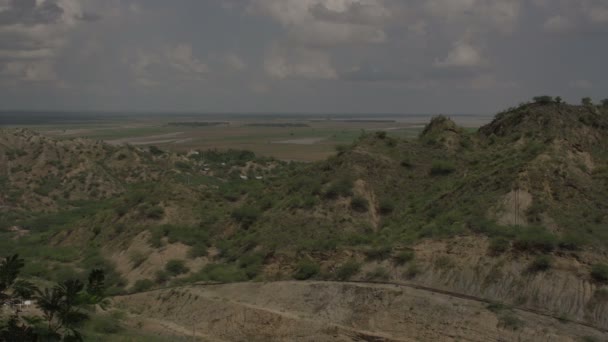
<point x="332" y="311"/>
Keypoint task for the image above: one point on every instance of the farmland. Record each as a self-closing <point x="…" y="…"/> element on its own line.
<point x="297" y="137"/>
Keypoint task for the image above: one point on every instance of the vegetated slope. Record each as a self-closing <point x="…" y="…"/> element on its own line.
<point x="515" y="212"/>
<point x="45" y="173"/>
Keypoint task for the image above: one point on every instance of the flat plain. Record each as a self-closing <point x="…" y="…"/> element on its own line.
<point x="298" y="137"/>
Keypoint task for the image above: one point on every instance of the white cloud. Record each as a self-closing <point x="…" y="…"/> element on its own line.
<point x="181" y="58"/>
<point x="328" y="22"/>
<point x="596" y="11"/>
<point x="29" y="71"/>
<point x="172" y="63"/>
<point x="499" y="14"/>
<point x="462" y="55"/>
<point x="40" y="28"/>
<point x="303" y="63"/>
<point x="235" y="62"/>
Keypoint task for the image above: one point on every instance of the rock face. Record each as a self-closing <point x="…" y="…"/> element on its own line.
<point x="326" y="311"/>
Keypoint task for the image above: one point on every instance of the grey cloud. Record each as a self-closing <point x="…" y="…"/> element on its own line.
<point x="28" y="12"/>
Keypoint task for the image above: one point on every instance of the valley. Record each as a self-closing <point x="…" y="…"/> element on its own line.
<point x="439" y="232"/>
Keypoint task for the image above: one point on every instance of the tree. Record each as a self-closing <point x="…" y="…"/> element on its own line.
<point x="605" y="103"/>
<point x="586" y="101"/>
<point x="558" y="100"/>
<point x="61" y="305"/>
<point x="544" y="99"/>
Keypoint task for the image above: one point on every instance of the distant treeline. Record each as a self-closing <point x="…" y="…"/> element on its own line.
<point x="277" y="125"/>
<point x="358" y="120"/>
<point x="197" y="124"/>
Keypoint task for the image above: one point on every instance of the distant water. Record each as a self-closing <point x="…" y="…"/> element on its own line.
<point x="19" y="118"/>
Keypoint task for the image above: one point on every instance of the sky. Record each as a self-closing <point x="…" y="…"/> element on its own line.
<point x="304" y="56"/>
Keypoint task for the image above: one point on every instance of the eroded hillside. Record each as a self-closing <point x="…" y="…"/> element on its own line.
<point x="515" y="212"/>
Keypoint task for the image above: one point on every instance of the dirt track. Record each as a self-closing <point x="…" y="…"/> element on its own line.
<point x="331" y="311"/>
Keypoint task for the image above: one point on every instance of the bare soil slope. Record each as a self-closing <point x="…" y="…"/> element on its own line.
<point x="329" y="311"/>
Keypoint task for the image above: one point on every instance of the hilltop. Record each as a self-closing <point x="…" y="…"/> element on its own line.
<point x="514" y="212"/>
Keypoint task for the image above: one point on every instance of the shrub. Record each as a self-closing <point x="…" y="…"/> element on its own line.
<point x="510" y="321"/>
<point x="342" y="187"/>
<point x="155" y="150"/>
<point x="586" y="101"/>
<point x="348" y="270"/>
<point x="386" y="206"/>
<point x="444" y="262"/>
<point x="154" y="212"/>
<point x="378" y="253"/>
<point x="442" y="168"/>
<point x="198" y="250"/>
<point x="499" y="245"/>
<point x="407" y="163"/>
<point x="541" y="263"/>
<point x="381" y="134"/>
<point x="142" y="285"/>
<point x="605" y="103"/>
<point x="535" y="239"/>
<point x="246" y="215"/>
<point x="379" y="273"/>
<point x="221" y="273"/>
<point x="404" y="257"/>
<point x="105" y="324"/>
<point x="545" y="99"/>
<point x="412" y="271"/>
<point x="359" y="204"/>
<point x="599" y="272"/>
<point x="161" y="277"/>
<point x="251" y="264"/>
<point x="176" y="267"/>
<point x="306" y="270"/>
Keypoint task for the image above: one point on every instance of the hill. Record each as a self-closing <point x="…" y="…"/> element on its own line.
<point x="514" y="213"/>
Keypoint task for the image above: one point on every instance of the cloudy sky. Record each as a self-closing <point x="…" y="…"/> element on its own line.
<point x="402" y="56"/>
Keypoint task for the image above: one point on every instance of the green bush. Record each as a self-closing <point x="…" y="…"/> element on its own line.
<point x="251" y="264"/>
<point x="197" y="251"/>
<point x="359" y="204"/>
<point x="599" y="272"/>
<point x="404" y="257"/>
<point x="176" y="267"/>
<point x="142" y="285"/>
<point x="386" y="206"/>
<point x="105" y="324"/>
<point x="508" y="320"/>
<point x="379" y="273"/>
<point x="543" y="99"/>
<point x="348" y="270"/>
<point x="154" y="212"/>
<point x="306" y="270"/>
<point x="246" y="215"/>
<point x="161" y="277"/>
<point x="339" y="188"/>
<point x="541" y="263"/>
<point x="379" y="253"/>
<point x="222" y="273"/>
<point x="499" y="245"/>
<point x="442" y="168"/>
<point x="412" y="271"/>
<point x="155" y="150"/>
<point x="535" y="240"/>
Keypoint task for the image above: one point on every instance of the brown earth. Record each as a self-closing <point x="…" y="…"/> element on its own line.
<point x="330" y="311"/>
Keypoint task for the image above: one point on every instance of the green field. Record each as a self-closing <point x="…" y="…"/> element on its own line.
<point x="286" y="137"/>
